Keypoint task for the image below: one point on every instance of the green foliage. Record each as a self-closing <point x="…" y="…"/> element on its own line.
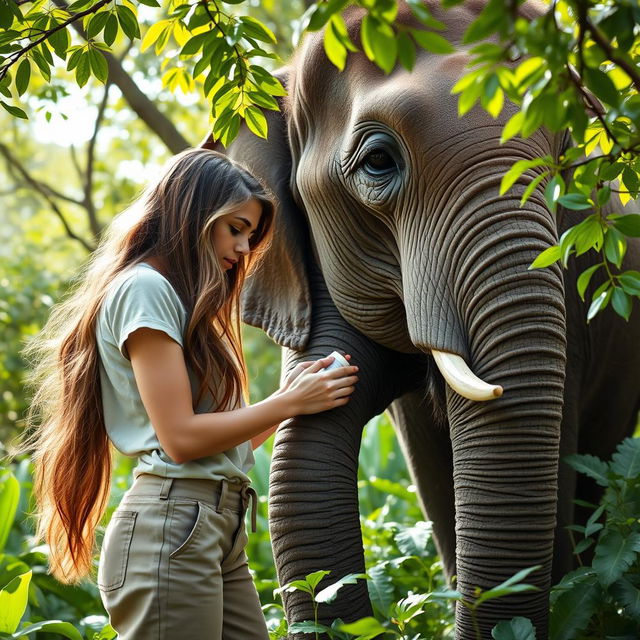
<point x="574" y="68"/>
<point x="604" y="598"/>
<point x="30" y="600"/>
<point x="400" y="620"/>
<point x="570" y="69"/>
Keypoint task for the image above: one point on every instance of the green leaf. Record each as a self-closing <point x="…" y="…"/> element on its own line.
<point x="509" y="586"/>
<point x="13" y="602"/>
<point x="313" y="579"/>
<point x="604" y="195"/>
<point x="128" y="21"/>
<point x="584" y="278"/>
<point x="546" y="258"/>
<point x="9" y="498"/>
<point x="74" y="58"/>
<point x="412" y="541"/>
<point x="335" y="50"/>
<point x="368" y="627"/>
<point x="630" y="281"/>
<point x="631" y="180"/>
<point x="626" y="460"/>
<point x="512" y="127"/>
<point x="320" y="13"/>
<point x="255" y="29"/>
<point x="422" y="13"/>
<point x="329" y="594"/>
<point x="627" y="595"/>
<point x="194" y="44"/>
<point x="575" y="201"/>
<point x="262" y="99"/>
<point x="14" y="111"/>
<point x="621" y="303"/>
<point x="60" y="41"/>
<point x="65" y="629"/>
<point x="515" y="629"/>
<point x="552" y="192"/>
<point x="588" y="234"/>
<point x="111" y="29"/>
<point x="531" y="186"/>
<point x="614" y="554"/>
<point x="266" y="81"/>
<point x="308" y="627"/>
<point x="615" y="246"/>
<point x="601" y="85"/>
<point x="22" y="76"/>
<point x="406" y="51"/>
<point x="574" y="608"/>
<point x="628" y="224"/>
<point x="43" y="65"/>
<point x="509" y="178"/>
<point x="79" y="5"/>
<point x="83" y="70"/>
<point x="294" y="585"/>
<point x="379" y="45"/>
<point x="590" y="466"/>
<point x="256" y="121"/>
<point x="381" y="588"/>
<point x="482" y="27"/>
<point x="97" y="23"/>
<point x="431" y="41"/>
<point x="98" y="65"/>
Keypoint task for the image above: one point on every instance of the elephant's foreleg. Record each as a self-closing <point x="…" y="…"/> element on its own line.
<point x="427" y="448"/>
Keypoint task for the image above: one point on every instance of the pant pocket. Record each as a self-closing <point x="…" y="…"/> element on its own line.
<point x="186" y="522"/>
<point x="114" y="556"/>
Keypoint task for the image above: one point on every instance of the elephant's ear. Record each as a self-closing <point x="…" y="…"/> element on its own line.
<point x="276" y="296"/>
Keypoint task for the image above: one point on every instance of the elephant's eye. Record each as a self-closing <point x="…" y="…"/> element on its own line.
<point x="378" y="162"/>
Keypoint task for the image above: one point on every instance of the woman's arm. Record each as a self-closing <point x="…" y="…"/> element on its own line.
<point x="163" y="382"/>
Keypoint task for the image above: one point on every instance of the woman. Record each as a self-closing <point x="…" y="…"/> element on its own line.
<point x="146" y="355"/>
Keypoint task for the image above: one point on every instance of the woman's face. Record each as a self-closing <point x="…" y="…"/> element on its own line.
<point x="233" y="232"/>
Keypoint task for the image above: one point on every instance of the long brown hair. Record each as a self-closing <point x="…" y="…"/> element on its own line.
<point x="173" y="220"/>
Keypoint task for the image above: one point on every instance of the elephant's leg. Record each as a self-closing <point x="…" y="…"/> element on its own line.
<point x="313" y="500"/>
<point x="427" y="448"/>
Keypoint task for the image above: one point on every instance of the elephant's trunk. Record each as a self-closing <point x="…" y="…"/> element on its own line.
<point x="509" y="324"/>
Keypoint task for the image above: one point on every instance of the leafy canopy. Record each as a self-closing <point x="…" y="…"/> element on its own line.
<point x="575" y="68"/>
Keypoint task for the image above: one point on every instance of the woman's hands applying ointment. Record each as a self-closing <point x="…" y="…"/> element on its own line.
<point x="311" y="389"/>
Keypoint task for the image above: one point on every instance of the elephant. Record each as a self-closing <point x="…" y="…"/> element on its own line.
<point x="394" y="244"/>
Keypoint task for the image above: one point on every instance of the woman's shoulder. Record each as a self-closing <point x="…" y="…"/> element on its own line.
<point x="140" y="284"/>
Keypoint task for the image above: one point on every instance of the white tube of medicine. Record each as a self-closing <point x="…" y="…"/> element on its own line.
<point x="339" y="361"/>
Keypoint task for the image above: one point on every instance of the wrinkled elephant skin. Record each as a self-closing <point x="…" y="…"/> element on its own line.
<point x="392" y="243"/>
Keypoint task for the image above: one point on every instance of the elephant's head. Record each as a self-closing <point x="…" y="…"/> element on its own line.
<point x="421" y="254"/>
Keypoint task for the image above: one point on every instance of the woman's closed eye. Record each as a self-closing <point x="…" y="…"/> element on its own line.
<point x="234" y="230"/>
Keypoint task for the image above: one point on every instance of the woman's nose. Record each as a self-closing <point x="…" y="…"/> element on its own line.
<point x="243" y="246"/>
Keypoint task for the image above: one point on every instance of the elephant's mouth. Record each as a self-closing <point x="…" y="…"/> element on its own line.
<point x="462" y="380"/>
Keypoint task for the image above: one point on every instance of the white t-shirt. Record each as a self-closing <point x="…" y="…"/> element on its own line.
<point x="143" y="297"/>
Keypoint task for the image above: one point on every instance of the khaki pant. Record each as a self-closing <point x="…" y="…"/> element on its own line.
<point x="173" y="565"/>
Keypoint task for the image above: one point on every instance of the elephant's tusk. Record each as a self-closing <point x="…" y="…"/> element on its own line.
<point x="462" y="380"/>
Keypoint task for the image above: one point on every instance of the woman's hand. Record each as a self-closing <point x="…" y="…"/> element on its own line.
<point x="293" y="374"/>
<point x="310" y="389"/>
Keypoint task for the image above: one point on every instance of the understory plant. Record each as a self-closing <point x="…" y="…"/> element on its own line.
<point x="32" y="603"/>
<point x="402" y="617"/>
<point x="602" y="599"/>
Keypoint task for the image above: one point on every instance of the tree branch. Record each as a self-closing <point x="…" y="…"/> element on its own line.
<point x="36" y="185"/>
